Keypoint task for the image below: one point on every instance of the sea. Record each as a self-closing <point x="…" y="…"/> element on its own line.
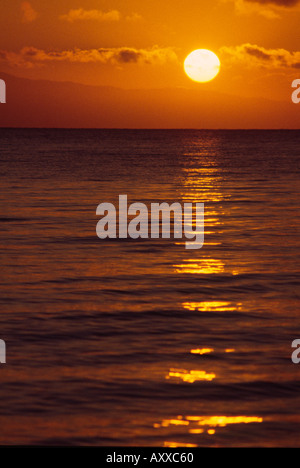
<point x="142" y="342"/>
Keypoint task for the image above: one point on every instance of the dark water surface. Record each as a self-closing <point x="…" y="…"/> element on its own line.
<point x="142" y="342"/>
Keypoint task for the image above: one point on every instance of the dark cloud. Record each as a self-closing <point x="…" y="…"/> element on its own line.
<point x="30" y="52"/>
<point x="254" y="55"/>
<point x="257" y="53"/>
<point x="283" y="3"/>
<point x="28" y="56"/>
<point x="129" y="55"/>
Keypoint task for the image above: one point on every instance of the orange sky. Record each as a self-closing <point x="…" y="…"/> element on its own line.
<point x="142" y="44"/>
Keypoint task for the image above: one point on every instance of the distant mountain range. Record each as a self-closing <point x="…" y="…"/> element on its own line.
<point x="41" y="103"/>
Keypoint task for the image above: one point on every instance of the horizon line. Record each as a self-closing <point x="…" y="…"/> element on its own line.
<point x="151" y="128"/>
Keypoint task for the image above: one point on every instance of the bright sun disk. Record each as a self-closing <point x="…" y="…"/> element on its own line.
<point x="202" y="65"/>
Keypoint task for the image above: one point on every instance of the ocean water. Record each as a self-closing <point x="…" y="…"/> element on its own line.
<point x="142" y="342"/>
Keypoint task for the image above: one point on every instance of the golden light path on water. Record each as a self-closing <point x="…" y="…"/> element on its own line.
<point x="210" y="421"/>
<point x="201" y="266"/>
<point x="209" y="350"/>
<point x="177" y="444"/>
<point x="203" y="185"/>
<point x="204" y="425"/>
<point x="211" y="306"/>
<point x="190" y="376"/>
<point x="202" y="351"/>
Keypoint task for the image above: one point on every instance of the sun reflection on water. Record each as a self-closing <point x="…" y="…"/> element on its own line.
<point x="202" y="351"/>
<point x="222" y="421"/>
<point x="178" y="444"/>
<point x="208" y="424"/>
<point x="211" y="306"/>
<point x="201" y="266"/>
<point x="203" y="182"/>
<point x="190" y="376"/>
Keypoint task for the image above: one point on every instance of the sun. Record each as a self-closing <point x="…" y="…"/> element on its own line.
<point x="202" y="65"/>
